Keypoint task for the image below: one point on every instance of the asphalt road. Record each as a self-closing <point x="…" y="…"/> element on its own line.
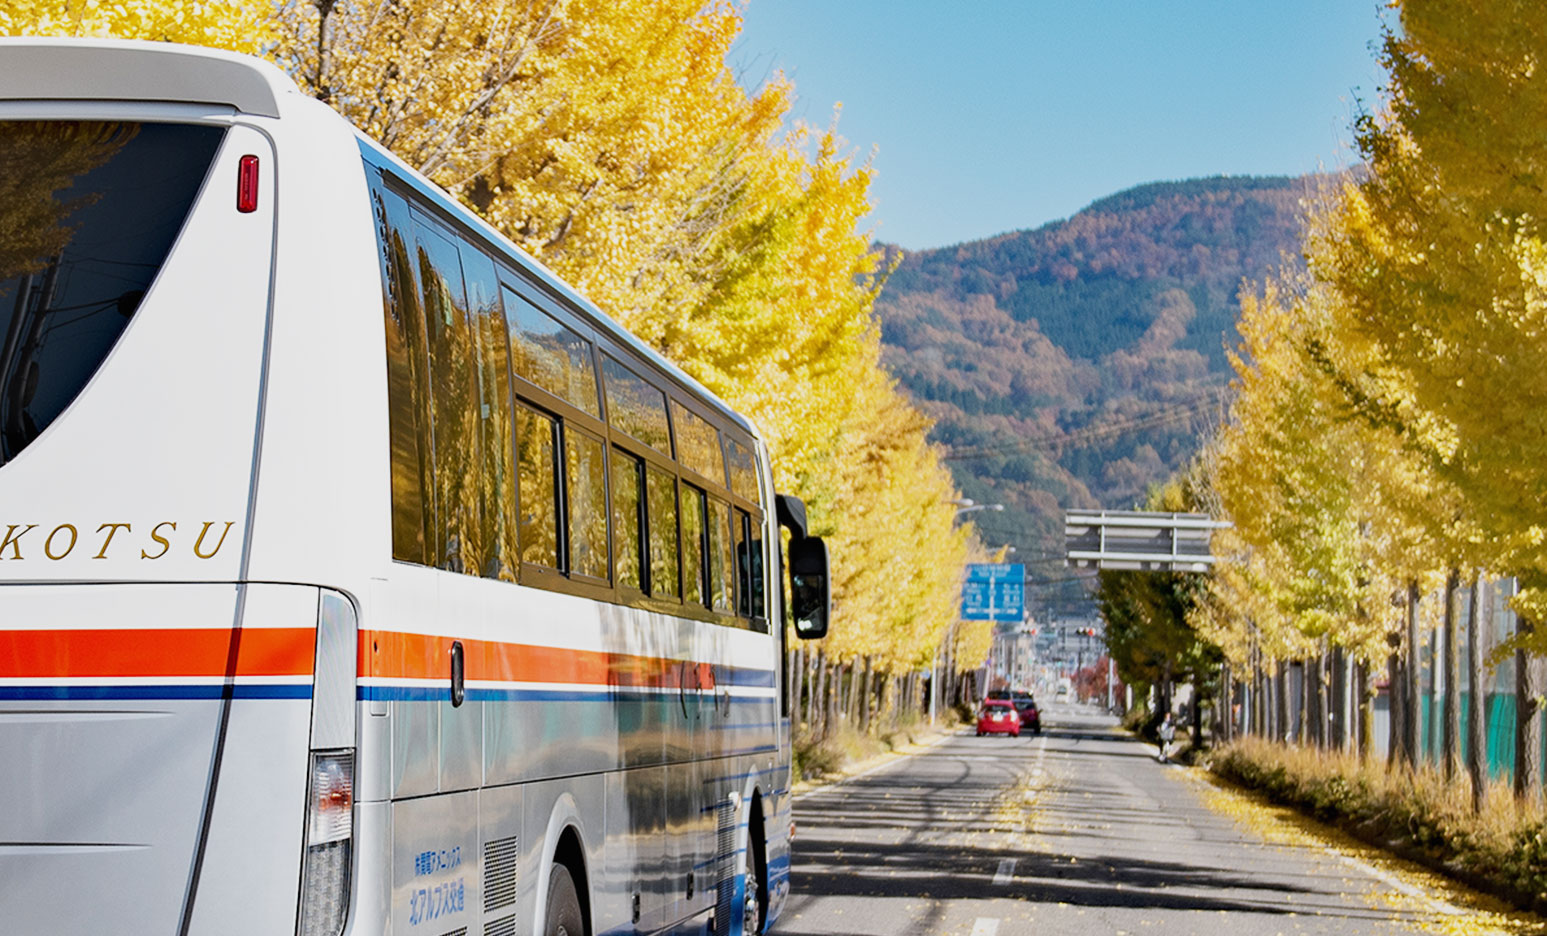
<point x="1079" y="831"/>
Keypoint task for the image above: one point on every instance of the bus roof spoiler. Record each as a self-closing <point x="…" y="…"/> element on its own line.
<point x="41" y="68"/>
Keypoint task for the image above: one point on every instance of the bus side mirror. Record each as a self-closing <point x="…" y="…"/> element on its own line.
<point x="792" y="515"/>
<point x="810" y="594"/>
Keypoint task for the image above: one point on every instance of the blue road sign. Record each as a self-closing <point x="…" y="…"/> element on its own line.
<point x="994" y="591"/>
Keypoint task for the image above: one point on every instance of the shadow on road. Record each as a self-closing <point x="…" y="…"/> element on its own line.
<point x="941" y="828"/>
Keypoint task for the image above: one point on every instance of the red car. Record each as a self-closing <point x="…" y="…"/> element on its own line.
<point x="1031" y="717"/>
<point x="998" y="716"/>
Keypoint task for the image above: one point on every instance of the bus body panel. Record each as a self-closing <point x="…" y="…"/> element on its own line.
<point x="110" y="709"/>
<point x="253" y="849"/>
<point x="561" y="686"/>
<point x="320" y="510"/>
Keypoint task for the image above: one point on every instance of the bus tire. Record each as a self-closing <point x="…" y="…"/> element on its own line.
<point x="755" y="908"/>
<point x="564" y="917"/>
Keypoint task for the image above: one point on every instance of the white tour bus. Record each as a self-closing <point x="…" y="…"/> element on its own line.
<point x="356" y="575"/>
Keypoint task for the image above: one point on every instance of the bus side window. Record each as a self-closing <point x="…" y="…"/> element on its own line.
<point x="551" y="355"/>
<point x="749" y="570"/>
<point x="743" y="472"/>
<point x="626" y="517"/>
<point x="698" y="443"/>
<point x="635" y="406"/>
<point x="661" y="494"/>
<point x="498" y="494"/>
<point x="585" y="501"/>
<point x="537" y="478"/>
<point x="693" y="565"/>
<point x="721" y="590"/>
<point x="408" y="409"/>
<point x="756" y="604"/>
<point x="453" y="399"/>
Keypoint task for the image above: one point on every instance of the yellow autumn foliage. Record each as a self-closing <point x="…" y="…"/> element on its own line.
<point x="612" y="141"/>
<point x="238" y="25"/>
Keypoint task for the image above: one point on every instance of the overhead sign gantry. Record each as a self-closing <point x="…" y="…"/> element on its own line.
<point x="1139" y="540"/>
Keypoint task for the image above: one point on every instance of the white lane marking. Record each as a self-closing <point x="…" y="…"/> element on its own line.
<point x="1005" y="873"/>
<point x="985" y="926"/>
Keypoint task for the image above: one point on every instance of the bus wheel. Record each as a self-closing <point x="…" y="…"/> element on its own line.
<point x="751" y="910"/>
<point x="564" y="917"/>
<point x="757" y="872"/>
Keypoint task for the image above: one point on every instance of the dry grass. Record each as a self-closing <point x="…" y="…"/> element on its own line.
<point x="845" y="745"/>
<point x="1432" y="902"/>
<point x="1504" y="847"/>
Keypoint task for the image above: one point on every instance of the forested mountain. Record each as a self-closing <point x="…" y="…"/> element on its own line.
<point x="1075" y="364"/>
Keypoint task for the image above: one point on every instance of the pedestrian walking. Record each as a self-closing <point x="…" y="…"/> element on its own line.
<point x="1167" y="735"/>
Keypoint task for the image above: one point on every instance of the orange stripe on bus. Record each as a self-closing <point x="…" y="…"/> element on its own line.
<point x="264" y="651"/>
<point x="397" y="655"/>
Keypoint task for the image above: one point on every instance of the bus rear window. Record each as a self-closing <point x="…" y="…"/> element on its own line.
<point x="88" y="214"/>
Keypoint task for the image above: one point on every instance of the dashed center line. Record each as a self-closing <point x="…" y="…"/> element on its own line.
<point x="985" y="926"/>
<point x="1005" y="873"/>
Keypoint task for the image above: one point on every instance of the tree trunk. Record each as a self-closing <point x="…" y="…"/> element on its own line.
<point x="838" y="704"/>
<point x="851" y="693"/>
<point x="809" y="709"/>
<point x="1396" y="701"/>
<point x="1528" y="726"/>
<point x="1366" y="703"/>
<point x="1197" y="715"/>
<point x="1280" y="701"/>
<point x="823" y="689"/>
<point x="1337" y="713"/>
<point x="1270" y="716"/>
<point x="792" y="683"/>
<point x="834" y="696"/>
<point x="888" y="713"/>
<point x="864" y="696"/>
<point x="324" y="81"/>
<point x="1262" y="716"/>
<point x="1227" y="703"/>
<point x="1321" y="682"/>
<point x="1310" y="697"/>
<point x="1293" y="683"/>
<point x="1480" y="610"/>
<point x="1452" y="666"/>
<point x="1429" y="752"/>
<point x="1411" y="670"/>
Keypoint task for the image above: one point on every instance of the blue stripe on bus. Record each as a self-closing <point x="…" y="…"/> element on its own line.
<point x="753" y="678"/>
<point x="738" y="778"/>
<point x="103" y="693"/>
<point x="718" y="858"/>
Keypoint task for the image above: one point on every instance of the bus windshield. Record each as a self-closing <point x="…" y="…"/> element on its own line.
<point x="88" y="213"/>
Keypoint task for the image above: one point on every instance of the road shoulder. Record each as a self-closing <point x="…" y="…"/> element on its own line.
<point x="870" y="765"/>
<point x="1439" y="904"/>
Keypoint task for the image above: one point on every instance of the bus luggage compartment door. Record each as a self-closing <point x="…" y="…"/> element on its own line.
<point x="112" y="710"/>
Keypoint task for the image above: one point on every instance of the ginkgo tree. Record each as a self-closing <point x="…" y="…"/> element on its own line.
<point x="238" y="25"/>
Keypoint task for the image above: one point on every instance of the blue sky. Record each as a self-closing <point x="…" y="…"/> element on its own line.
<point x="996" y="115"/>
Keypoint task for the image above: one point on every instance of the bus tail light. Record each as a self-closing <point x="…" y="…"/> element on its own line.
<point x="247" y="185"/>
<point x="329" y="836"/>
